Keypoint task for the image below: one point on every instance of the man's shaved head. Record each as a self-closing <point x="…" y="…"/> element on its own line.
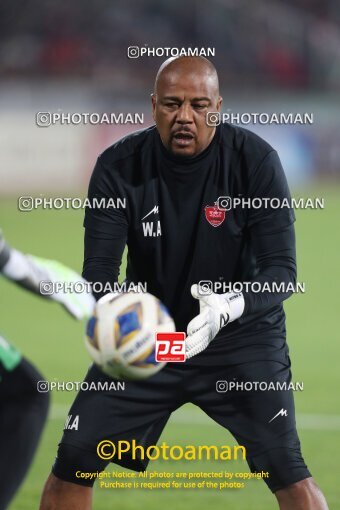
<point x="185" y="90"/>
<point x="189" y="65"/>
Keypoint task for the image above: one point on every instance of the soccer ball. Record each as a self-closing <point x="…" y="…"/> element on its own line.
<point x="120" y="336"/>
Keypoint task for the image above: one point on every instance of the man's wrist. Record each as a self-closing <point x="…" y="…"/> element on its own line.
<point x="236" y="304"/>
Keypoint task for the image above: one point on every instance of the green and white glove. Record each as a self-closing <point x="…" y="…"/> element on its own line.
<point x="49" y="279"/>
<point x="65" y="286"/>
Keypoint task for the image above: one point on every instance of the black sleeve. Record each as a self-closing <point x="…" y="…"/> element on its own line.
<point x="106" y="230"/>
<point x="272" y="235"/>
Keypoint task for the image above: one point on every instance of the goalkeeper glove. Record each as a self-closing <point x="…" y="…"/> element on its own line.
<point x="216" y="311"/>
<point x="41" y="276"/>
<point x="79" y="303"/>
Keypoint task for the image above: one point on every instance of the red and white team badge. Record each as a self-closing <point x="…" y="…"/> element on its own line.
<point x="214" y="215"/>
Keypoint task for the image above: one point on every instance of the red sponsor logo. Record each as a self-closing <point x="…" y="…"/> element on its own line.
<point x="170" y="346"/>
<point x="214" y="215"/>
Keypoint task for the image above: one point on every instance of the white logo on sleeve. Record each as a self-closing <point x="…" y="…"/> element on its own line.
<point x="151" y="228"/>
<point x="154" y="210"/>
<point x="282" y="412"/>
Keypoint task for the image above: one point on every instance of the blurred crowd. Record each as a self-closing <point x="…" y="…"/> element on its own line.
<point x="284" y="44"/>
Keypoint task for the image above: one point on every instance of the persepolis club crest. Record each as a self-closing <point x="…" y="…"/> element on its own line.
<point x="214" y="215"/>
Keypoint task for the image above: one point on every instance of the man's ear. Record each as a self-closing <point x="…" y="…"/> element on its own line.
<point x="153" y="102"/>
<point x="219" y="104"/>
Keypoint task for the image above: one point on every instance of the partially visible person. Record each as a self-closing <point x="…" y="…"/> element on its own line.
<point x="23" y="409"/>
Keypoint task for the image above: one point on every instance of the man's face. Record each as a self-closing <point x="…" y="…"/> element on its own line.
<point x="180" y="105"/>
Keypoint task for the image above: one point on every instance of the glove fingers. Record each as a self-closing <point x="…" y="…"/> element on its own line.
<point x="197" y="293"/>
<point x="196" y="324"/>
<point x="196" y="350"/>
<point x="204" y="299"/>
<point x="73" y="310"/>
<point x="194" y="291"/>
<point x="197" y="342"/>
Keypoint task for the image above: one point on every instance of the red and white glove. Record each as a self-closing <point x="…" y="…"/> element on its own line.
<point x="216" y="311"/>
